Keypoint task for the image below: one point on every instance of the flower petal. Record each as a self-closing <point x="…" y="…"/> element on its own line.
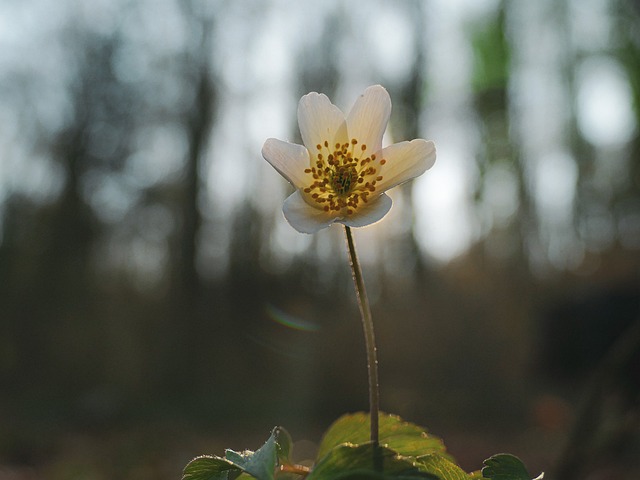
<point x="320" y="121"/>
<point x="303" y="217"/>
<point x="289" y="159"/>
<point x="374" y="210"/>
<point x="404" y="161"/>
<point x="368" y="118"/>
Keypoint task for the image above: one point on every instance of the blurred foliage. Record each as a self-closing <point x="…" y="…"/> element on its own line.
<point x="151" y="295"/>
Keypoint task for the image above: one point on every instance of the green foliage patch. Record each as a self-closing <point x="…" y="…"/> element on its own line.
<point x="406" y="452"/>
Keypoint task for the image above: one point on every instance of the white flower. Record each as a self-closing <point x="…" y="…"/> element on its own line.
<point x="342" y="171"/>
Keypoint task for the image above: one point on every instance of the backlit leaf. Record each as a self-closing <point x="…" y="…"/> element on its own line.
<point x="361" y="462"/>
<point x="404" y="438"/>
<point x="441" y="467"/>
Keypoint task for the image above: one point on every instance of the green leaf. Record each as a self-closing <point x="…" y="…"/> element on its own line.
<point x="208" y="467"/>
<point x="442" y="467"/>
<point x="353" y="462"/>
<point x="405" y="438"/>
<point x="284" y="446"/>
<point x="260" y="464"/>
<point x="505" y="467"/>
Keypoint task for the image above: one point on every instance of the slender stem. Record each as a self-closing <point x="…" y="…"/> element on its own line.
<point x="370" y="340"/>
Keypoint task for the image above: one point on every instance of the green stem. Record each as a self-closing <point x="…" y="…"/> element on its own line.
<point x="370" y="340"/>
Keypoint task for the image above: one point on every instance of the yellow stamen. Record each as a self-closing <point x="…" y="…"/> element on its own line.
<point x="343" y="177"/>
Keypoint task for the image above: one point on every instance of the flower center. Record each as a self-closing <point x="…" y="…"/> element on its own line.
<point x="344" y="176"/>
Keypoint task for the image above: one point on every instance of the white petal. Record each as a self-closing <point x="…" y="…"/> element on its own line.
<point x="404" y="161"/>
<point x="374" y="210"/>
<point x="368" y="118"/>
<point x="303" y="217"/>
<point x="289" y="159"/>
<point x="320" y="121"/>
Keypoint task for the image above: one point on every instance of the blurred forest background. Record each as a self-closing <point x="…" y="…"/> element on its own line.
<point x="155" y="305"/>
